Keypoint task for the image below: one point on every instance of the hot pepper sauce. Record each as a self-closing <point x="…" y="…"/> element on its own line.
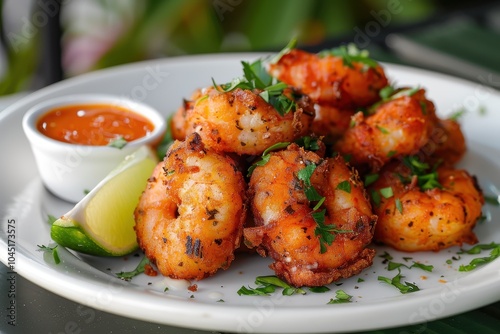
<point x="93" y="124"/>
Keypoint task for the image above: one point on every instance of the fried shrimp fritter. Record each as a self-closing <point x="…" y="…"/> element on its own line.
<point x="398" y="127"/>
<point x="287" y="227"/>
<point x="189" y="220"/>
<point x="178" y="124"/>
<point x="329" y="80"/>
<point x="415" y="219"/>
<point x="242" y="122"/>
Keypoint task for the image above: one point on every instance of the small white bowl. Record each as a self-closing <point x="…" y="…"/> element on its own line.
<point x="70" y="170"/>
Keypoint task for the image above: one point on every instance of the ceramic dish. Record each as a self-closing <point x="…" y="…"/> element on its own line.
<point x="92" y="282"/>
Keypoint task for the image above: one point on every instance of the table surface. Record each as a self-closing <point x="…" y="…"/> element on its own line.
<point x="41" y="311"/>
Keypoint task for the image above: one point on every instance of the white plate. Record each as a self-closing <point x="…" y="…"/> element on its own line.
<point x="91" y="281"/>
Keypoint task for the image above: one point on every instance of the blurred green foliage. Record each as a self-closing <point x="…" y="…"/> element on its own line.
<point x="162" y="28"/>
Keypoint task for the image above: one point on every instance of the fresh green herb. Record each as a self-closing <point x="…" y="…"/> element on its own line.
<point x="360" y="280"/>
<point x="309" y="143"/>
<point x="449" y="261"/>
<point x="52" y="250"/>
<point x="266" y="155"/>
<point x="427" y="177"/>
<point x="319" y="289"/>
<point x="267" y="285"/>
<point x="388" y="93"/>
<point x="221" y="301"/>
<point x="386" y="192"/>
<point x="370" y="179"/>
<point x="494" y="200"/>
<point x="383" y="130"/>
<point x="167" y="139"/>
<point x="458" y="114"/>
<point x="292" y="44"/>
<point x="340" y="298"/>
<point x="51" y="219"/>
<point x="396" y="265"/>
<point x="391" y="153"/>
<point x="494" y="253"/>
<point x="386" y="256"/>
<point x="326" y="233"/>
<point x="86" y="191"/>
<point x="423" y="106"/>
<point x="399" y="205"/>
<point x="350" y="54"/>
<point x="119" y="142"/>
<point x="345" y="186"/>
<point x="311" y="193"/>
<point x="375" y="195"/>
<point x="347" y="157"/>
<point x="404" y="288"/>
<point x="128" y="275"/>
<point x="257" y="77"/>
<point x="166" y="289"/>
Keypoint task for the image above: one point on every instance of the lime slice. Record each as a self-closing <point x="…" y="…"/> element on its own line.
<point x="102" y="223"/>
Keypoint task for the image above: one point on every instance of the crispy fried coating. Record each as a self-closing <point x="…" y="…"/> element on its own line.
<point x="189" y="220"/>
<point x="328" y="80"/>
<point x="427" y="220"/>
<point x="242" y="122"/>
<point x="397" y="128"/>
<point x="285" y="227"/>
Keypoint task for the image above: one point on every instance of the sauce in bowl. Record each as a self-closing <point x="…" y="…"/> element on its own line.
<point x="93" y="124"/>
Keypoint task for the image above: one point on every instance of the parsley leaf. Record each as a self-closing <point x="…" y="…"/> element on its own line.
<point x="340" y="298"/>
<point x="404" y="288"/>
<point x="255" y="76"/>
<point x="267" y="285"/>
<point x="474" y="263"/>
<point x="345" y="186"/>
<point x="119" y="142"/>
<point x="128" y="275"/>
<point x="52" y="250"/>
<point x="427" y="177"/>
<point x="266" y="155"/>
<point x="350" y="54"/>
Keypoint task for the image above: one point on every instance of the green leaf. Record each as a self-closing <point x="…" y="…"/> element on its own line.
<point x="267" y="285"/>
<point x="319" y="289"/>
<point x="266" y="156"/>
<point x="53" y="250"/>
<point x="474" y="263"/>
<point x="370" y="179"/>
<point x="119" y="142"/>
<point x="128" y="275"/>
<point x="404" y="288"/>
<point x="386" y="192"/>
<point x="399" y="205"/>
<point x="340" y="297"/>
<point x="292" y="44"/>
<point x="345" y="186"/>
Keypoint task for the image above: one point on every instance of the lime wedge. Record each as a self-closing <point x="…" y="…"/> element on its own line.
<point x="102" y="223"/>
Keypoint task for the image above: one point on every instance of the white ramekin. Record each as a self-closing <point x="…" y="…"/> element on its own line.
<point x="70" y="170"/>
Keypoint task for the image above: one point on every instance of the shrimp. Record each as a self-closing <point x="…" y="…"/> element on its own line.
<point x="242" y="122"/>
<point x="189" y="220"/>
<point x="450" y="146"/>
<point x="178" y="124"/>
<point x="328" y="80"/>
<point x="331" y="122"/>
<point x="286" y="227"/>
<point x="399" y="127"/>
<point x="414" y="217"/>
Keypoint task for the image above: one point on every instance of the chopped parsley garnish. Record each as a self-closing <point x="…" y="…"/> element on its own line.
<point x="404" y="288"/>
<point x="345" y="186"/>
<point x="396" y="265"/>
<point x="319" y="289"/>
<point x="128" y="275"/>
<point x="493" y="200"/>
<point x="52" y="250"/>
<point x="389" y="93"/>
<point x="266" y="285"/>
<point x="119" y="142"/>
<point x="167" y="139"/>
<point x="309" y="143"/>
<point x="289" y="47"/>
<point x="399" y="205"/>
<point x="350" y="54"/>
<point x="325" y="233"/>
<point x="386" y="192"/>
<point x="370" y="178"/>
<point x="51" y="219"/>
<point x="458" y="114"/>
<point x="340" y="297"/>
<point x="255" y="76"/>
<point x="494" y="253"/>
<point x="427" y="177"/>
<point x="266" y="155"/>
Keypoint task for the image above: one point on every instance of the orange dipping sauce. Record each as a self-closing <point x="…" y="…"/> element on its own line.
<point x="93" y="124"/>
